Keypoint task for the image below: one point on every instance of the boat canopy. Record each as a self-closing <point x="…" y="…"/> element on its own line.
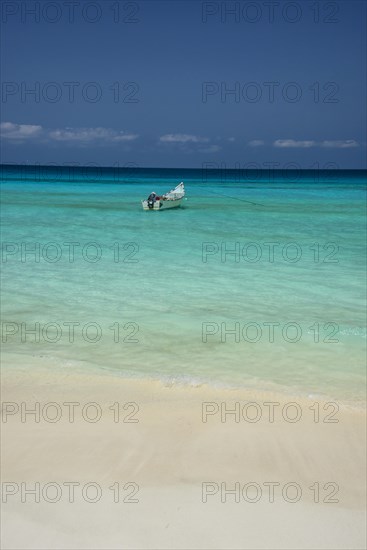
<point x="176" y="193"/>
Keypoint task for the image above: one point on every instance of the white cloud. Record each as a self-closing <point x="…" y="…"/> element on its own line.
<point x="87" y="135"/>
<point x="211" y="149"/>
<point x="231" y="139"/>
<point x="294" y="143"/>
<point x="182" y="138"/>
<point x="19" y="132"/>
<point x="256" y="143"/>
<point x="340" y="144"/>
<point x="331" y="144"/>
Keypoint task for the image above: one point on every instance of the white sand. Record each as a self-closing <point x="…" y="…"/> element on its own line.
<point x="169" y="453"/>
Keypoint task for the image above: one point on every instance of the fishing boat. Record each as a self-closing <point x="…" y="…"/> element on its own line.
<point x="169" y="200"/>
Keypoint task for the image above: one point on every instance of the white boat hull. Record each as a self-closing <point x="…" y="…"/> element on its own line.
<point x="172" y="199"/>
<point x="162" y="205"/>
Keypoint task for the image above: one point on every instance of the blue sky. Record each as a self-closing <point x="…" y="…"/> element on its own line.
<point x="180" y="84"/>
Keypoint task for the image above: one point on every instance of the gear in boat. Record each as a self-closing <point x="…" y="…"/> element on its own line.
<point x="153" y="197"/>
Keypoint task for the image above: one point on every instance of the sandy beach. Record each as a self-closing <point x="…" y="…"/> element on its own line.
<point x="138" y="464"/>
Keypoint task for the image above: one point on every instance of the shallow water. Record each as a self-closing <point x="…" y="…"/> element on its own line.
<point x="256" y="281"/>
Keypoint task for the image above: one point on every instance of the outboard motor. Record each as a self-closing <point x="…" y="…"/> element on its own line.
<point x="151" y="200"/>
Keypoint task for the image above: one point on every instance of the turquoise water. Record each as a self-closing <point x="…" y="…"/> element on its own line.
<point x="295" y="308"/>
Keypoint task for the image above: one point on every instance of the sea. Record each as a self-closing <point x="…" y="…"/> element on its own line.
<point x="257" y="281"/>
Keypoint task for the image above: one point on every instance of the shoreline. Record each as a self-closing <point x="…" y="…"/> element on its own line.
<point x="263" y="391"/>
